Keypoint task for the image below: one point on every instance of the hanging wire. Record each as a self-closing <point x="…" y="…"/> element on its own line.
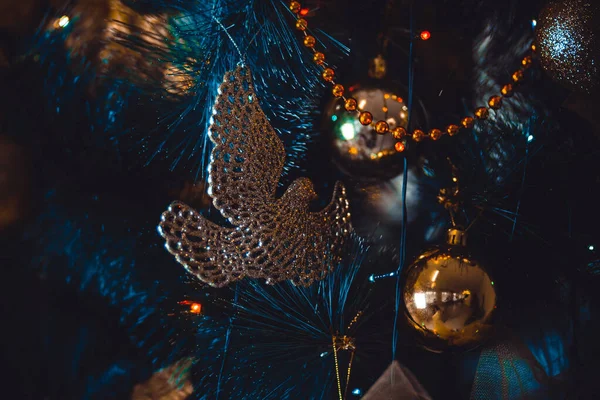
<point x="522" y="189"/>
<point x="402" y="259"/>
<point x="226" y="345"/>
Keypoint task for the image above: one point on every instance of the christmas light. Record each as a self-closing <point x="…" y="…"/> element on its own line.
<point x="425" y="35"/>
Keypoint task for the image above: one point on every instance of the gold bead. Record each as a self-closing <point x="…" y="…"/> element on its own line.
<point x="350" y="104"/>
<point x="435" y="134"/>
<point x="301" y="24"/>
<point x="418" y="135"/>
<point x="382" y="127"/>
<point x="365" y="118"/>
<point x="398" y="132"/>
<point x="482" y="113"/>
<point x="328" y="74"/>
<point x="400" y="147"/>
<point x="452" y="129"/>
<point x="507" y="90"/>
<point x="319" y="58"/>
<point x="468" y="122"/>
<point x="495" y="102"/>
<point x="309" y="41"/>
<point x="518" y="76"/>
<point x="295" y="7"/>
<point x="338" y="90"/>
<point x="533" y="48"/>
<point x="527" y="61"/>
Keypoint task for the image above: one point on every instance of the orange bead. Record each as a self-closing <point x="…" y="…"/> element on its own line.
<point x="482" y="113"/>
<point x="319" y="58"/>
<point x="507" y="90"/>
<point x="365" y="118"/>
<point x="338" y="90"/>
<point x="328" y="74"/>
<point x="400" y="147"/>
<point x="468" y="122"/>
<point x="495" y="102"/>
<point x="452" y="129"/>
<point x="301" y="24"/>
<point x="309" y="41"/>
<point x="382" y="127"/>
<point x="527" y="61"/>
<point x="295" y="7"/>
<point x="533" y="48"/>
<point x="435" y="134"/>
<point x="350" y="104"/>
<point x="418" y="135"/>
<point x="518" y="76"/>
<point x="398" y="132"/>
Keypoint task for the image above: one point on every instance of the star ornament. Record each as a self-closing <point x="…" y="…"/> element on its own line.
<point x="270" y="238"/>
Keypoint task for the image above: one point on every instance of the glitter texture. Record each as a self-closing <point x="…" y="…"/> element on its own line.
<point x="568" y="44"/>
<point x="272" y="238"/>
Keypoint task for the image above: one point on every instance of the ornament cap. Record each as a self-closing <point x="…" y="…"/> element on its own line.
<point x="457" y="237"/>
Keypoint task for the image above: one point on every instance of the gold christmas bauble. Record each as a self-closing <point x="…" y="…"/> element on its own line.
<point x="449" y="297"/>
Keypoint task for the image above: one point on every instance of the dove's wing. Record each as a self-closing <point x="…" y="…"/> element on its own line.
<point x="205" y="249"/>
<point x="248" y="157"/>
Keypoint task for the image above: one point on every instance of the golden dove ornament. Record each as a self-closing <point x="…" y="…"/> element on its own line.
<point x="272" y="238"/>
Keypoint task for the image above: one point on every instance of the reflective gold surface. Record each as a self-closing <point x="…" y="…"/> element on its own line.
<point x="449" y="298"/>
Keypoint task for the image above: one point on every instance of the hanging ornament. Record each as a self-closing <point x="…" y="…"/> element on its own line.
<point x="449" y="297"/>
<point x="272" y="238"/>
<point x="397" y="382"/>
<point x="171" y="383"/>
<point x="568" y="43"/>
<point x="363" y="150"/>
<point x="120" y="42"/>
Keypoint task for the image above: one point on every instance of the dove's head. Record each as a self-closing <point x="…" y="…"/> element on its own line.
<point x="302" y="189"/>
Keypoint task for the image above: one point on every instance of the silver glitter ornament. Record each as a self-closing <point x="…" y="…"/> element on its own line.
<point x="272" y="238"/>
<point x="568" y="43"/>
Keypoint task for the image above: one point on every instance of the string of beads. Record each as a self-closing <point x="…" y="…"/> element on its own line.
<point x="400" y="133"/>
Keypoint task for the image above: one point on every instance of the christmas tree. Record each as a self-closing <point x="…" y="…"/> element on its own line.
<point x="299" y="200"/>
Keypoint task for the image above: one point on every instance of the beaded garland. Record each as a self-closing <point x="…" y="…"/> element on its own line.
<point x="399" y="133"/>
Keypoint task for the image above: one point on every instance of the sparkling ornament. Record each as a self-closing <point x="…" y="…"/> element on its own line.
<point x="365" y="147"/>
<point x="171" y="383"/>
<point x="449" y="297"/>
<point x="568" y="43"/>
<point x="271" y="238"/>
